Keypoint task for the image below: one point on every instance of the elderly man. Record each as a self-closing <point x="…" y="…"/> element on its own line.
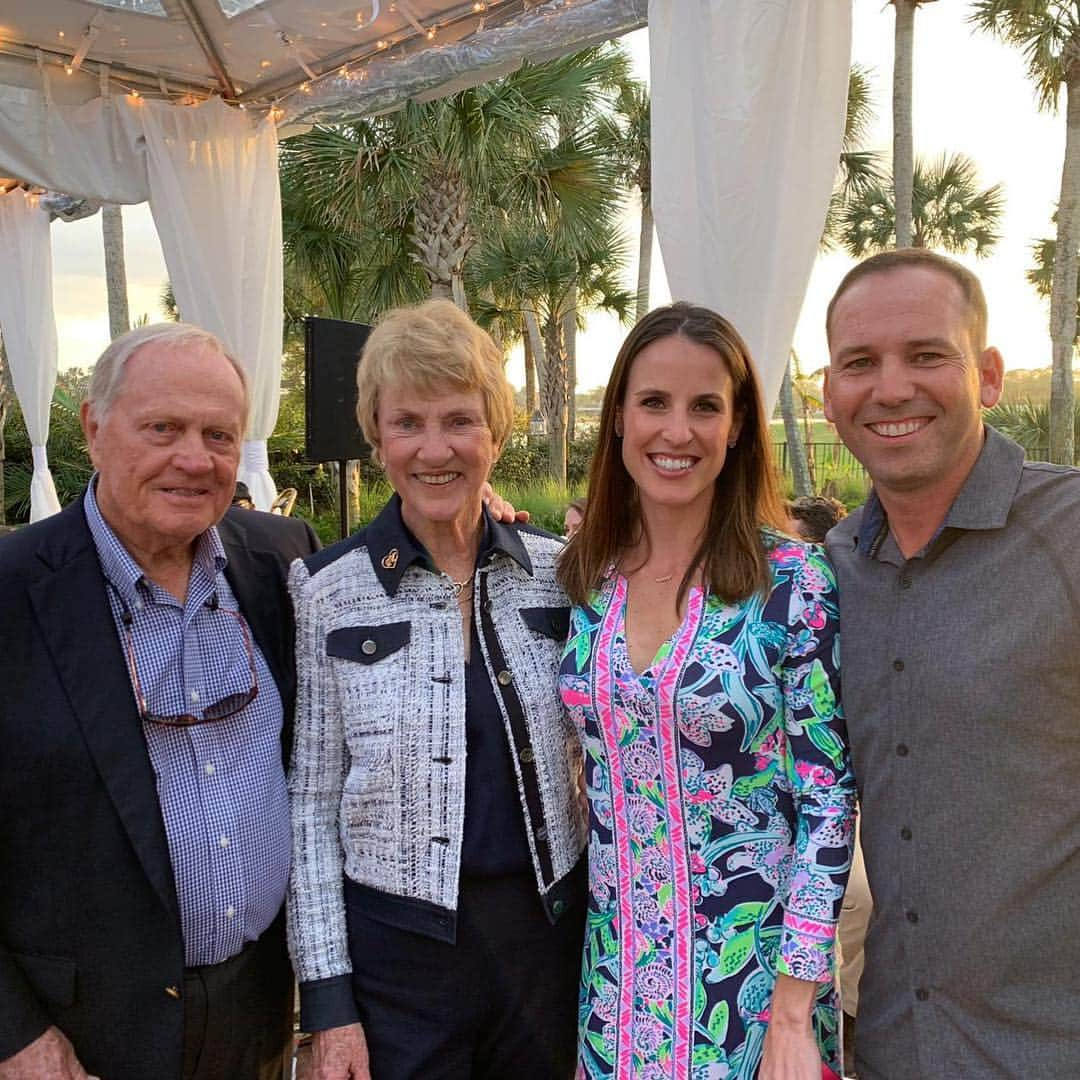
<point x="960" y="595"/>
<point x="147" y="695"/>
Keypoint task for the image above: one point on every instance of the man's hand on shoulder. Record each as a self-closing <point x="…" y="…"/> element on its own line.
<point x="49" y="1057"/>
<point x="500" y="509"/>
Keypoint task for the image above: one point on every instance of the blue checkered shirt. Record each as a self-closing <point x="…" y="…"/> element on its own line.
<point x="221" y="784"/>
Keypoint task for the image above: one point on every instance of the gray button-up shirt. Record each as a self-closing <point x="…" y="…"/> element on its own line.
<point x="961" y="671"/>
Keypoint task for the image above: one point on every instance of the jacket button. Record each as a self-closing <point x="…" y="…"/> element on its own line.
<point x="541" y="833"/>
<point x="527" y="755"/>
<point x="558" y="907"/>
<point x="368" y="648"/>
<point x="504" y="678"/>
<point x="174" y="992"/>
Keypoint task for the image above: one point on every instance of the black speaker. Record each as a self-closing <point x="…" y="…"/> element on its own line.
<point x="331" y="352"/>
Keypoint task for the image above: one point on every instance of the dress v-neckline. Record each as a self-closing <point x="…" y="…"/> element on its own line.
<point x="656" y="665"/>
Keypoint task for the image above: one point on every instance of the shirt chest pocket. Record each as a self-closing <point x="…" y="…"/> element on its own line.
<point x="367" y="645"/>
<point x="368" y="670"/>
<point x="552" y="623"/>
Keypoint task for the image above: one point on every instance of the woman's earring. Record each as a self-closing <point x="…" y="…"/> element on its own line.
<point x="731" y="445"/>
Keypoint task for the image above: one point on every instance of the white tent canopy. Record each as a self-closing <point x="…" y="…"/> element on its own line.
<point x="133" y="100"/>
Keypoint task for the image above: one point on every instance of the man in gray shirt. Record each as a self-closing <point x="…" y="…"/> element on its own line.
<point x="960" y="601"/>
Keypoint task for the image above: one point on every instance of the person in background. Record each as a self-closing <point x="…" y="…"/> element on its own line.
<point x="242" y="497"/>
<point x="575" y="513"/>
<point x="702" y="672"/>
<point x="810" y="517"/>
<point x="437" y="898"/>
<point x="147" y="704"/>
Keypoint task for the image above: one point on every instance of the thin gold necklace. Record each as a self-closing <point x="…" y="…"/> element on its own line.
<point x="459" y="586"/>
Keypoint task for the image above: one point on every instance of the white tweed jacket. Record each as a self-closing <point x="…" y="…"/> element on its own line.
<point x="377" y="784"/>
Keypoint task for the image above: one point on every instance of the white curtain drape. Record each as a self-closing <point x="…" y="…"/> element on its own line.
<point x="210" y="174"/>
<point x="217" y="207"/>
<point x="29" y="328"/>
<point x="748" y="103"/>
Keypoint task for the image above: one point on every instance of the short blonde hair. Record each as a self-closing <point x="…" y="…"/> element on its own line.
<point x="429" y="348"/>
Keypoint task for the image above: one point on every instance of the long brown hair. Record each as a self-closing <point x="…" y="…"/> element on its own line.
<point x="745" y="496"/>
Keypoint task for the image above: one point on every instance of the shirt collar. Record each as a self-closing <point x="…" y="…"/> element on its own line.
<point x="121" y="570"/>
<point x="393" y="549"/>
<point x="983" y="502"/>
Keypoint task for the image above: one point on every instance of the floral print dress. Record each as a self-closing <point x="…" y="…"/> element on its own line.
<point x="721" y="807"/>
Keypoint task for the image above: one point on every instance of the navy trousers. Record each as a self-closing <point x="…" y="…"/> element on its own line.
<point x="499" y="1003"/>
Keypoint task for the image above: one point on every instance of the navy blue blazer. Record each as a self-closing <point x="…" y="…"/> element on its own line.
<point x="90" y="934"/>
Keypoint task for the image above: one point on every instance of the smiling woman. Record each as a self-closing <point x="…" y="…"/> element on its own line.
<point x="702" y="673"/>
<point x="437" y="870"/>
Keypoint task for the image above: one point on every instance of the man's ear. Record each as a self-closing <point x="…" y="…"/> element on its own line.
<point x="90" y="426"/>
<point x="826" y="400"/>
<point x="991" y="377"/>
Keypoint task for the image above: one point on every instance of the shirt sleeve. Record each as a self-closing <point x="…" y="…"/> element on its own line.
<point x="819" y="771"/>
<point x="318" y="937"/>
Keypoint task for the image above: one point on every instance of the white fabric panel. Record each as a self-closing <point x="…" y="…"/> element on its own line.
<point x="29" y="329"/>
<point x="748" y="102"/>
<point x="216" y="203"/>
<point x="77" y="149"/>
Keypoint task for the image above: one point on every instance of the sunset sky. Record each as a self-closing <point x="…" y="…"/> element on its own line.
<point x="971" y="96"/>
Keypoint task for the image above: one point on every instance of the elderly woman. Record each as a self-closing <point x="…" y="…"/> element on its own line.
<point x="436" y="913"/>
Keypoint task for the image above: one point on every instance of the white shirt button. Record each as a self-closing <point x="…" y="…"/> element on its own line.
<point x="209" y="768"/>
<point x="194" y="695"/>
<point x="230" y="911"/>
<point x="224" y="841"/>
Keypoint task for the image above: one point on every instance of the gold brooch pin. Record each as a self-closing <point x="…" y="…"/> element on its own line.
<point x="389" y="560"/>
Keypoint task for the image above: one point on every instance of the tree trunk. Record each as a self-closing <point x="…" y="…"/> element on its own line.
<point x="354" y="483"/>
<point x="1063" y="294"/>
<point x="554" y="398"/>
<point x="800" y="471"/>
<point x="903" y="154"/>
<point x="112" y="233"/>
<point x="441" y="237"/>
<point x="569" y="330"/>
<point x="536" y="349"/>
<point x="530" y="373"/>
<point x="644" y="270"/>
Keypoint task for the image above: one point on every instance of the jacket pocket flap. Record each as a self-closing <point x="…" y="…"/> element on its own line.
<point x="367" y="644"/>
<point x="52" y="977"/>
<point x="552" y="622"/>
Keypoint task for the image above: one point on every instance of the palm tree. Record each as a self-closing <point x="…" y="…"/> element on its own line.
<point x="903" y="152"/>
<point x="1048" y="33"/>
<point x="526" y="268"/>
<point x="430" y="169"/>
<point x="950" y="211"/>
<point x="626" y="137"/>
<point x="1041" y="275"/>
<point x="859" y="169"/>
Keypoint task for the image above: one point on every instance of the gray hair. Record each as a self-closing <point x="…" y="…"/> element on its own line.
<point x="108" y="374"/>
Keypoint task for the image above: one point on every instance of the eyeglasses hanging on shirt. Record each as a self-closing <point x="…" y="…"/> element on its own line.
<point x="227" y="706"/>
